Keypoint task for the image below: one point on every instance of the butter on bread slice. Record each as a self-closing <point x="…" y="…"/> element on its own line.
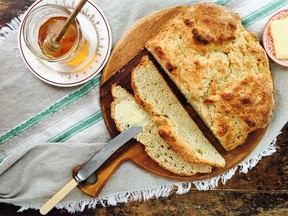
<point x="175" y="125"/>
<point x="126" y="112"/>
<point x="279" y="32"/>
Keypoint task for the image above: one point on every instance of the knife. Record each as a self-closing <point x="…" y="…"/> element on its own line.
<point x="91" y="166"/>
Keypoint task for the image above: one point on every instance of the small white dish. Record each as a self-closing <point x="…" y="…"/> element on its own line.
<point x="268" y="40"/>
<point x="96" y="28"/>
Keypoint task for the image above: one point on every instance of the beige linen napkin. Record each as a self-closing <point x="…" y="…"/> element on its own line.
<point x="46" y="130"/>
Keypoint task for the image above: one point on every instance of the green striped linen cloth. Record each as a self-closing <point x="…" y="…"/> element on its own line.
<point x="46" y="130"/>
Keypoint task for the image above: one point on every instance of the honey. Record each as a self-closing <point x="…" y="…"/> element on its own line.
<point x="52" y="27"/>
<point x="45" y="22"/>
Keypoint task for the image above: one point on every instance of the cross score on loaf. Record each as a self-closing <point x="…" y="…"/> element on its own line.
<point x="221" y="69"/>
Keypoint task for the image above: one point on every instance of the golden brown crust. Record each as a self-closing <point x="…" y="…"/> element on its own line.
<point x="166" y="131"/>
<point x="211" y="24"/>
<point x="221" y="69"/>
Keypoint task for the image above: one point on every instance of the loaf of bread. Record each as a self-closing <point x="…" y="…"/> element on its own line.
<point x="126" y="112"/>
<point x="175" y="125"/>
<point x="221" y="69"/>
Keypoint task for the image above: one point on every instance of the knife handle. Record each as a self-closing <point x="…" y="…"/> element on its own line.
<point x="58" y="197"/>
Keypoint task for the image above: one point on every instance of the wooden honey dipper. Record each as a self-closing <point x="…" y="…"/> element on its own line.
<point x="53" y="44"/>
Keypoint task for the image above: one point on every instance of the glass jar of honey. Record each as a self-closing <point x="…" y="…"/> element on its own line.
<point x="47" y="20"/>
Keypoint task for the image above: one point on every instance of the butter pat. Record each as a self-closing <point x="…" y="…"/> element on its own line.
<point x="130" y="112"/>
<point x="279" y="31"/>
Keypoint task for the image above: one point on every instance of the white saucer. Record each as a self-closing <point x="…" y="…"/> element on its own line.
<point x="96" y="28"/>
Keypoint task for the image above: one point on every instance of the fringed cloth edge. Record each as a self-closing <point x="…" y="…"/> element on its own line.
<point x="14" y="24"/>
<point x="164" y="190"/>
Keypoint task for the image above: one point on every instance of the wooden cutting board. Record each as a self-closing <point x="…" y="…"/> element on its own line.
<point x="125" y="55"/>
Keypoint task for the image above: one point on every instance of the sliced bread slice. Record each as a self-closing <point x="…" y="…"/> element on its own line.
<point x="126" y="112"/>
<point x="174" y="124"/>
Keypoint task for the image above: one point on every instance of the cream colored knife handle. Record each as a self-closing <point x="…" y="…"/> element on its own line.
<point x="58" y="197"/>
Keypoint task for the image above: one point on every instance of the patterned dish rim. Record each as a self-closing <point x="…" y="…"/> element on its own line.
<point x="268" y="40"/>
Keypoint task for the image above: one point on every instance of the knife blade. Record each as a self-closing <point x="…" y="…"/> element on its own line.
<point x="92" y="165"/>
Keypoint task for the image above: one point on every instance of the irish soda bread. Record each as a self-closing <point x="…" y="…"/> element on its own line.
<point x="126" y="112"/>
<point x="220" y="68"/>
<point x="174" y="124"/>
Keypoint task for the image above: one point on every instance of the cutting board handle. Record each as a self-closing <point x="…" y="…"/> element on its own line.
<point x="105" y="172"/>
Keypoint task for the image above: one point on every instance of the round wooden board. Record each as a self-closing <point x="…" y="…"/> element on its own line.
<point x="125" y="55"/>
